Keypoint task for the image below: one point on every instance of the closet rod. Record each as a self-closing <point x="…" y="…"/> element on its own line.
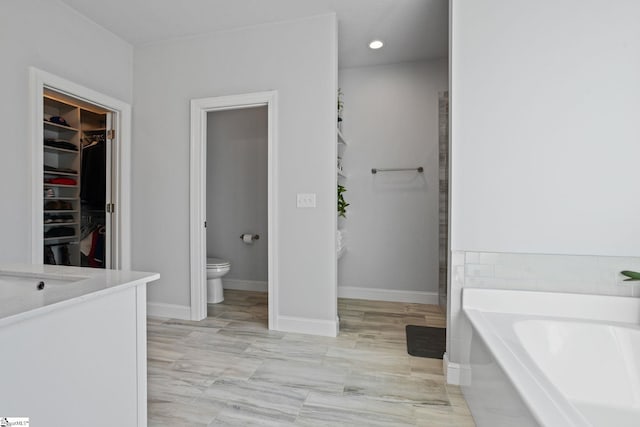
<point x="420" y="169"/>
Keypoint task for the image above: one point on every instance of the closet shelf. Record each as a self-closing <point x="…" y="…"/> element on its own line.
<point x="60" y="211"/>
<point x="60" y="198"/>
<point x="46" y="172"/>
<point x="59" y="150"/>
<point x="57" y="224"/>
<point x="60" y="185"/>
<point x="63" y="238"/>
<point x="59" y="127"/>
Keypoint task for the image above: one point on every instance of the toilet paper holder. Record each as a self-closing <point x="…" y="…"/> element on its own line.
<point x="253" y="236"/>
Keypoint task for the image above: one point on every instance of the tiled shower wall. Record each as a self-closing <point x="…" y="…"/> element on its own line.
<point x="554" y="273"/>
<point x="535" y="272"/>
<point x="443" y="199"/>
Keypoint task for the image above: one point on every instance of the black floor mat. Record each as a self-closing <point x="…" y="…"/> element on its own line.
<point x="424" y="341"/>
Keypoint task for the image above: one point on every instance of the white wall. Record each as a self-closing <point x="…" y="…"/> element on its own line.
<point x="544" y="134"/>
<point x="545" y="102"/>
<point x="54" y="38"/>
<point x="391" y="120"/>
<point x="237" y="190"/>
<point x="298" y="59"/>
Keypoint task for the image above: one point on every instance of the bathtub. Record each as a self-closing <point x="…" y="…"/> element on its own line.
<point x="551" y="359"/>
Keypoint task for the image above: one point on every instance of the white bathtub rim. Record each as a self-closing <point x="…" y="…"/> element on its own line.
<point x="599" y="308"/>
<point x="480" y="305"/>
<point x="547" y="405"/>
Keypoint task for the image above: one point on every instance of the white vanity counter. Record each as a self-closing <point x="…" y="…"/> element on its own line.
<point x="20" y="297"/>
<point x="74" y="353"/>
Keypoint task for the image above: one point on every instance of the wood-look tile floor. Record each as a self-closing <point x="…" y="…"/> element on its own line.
<point x="229" y="369"/>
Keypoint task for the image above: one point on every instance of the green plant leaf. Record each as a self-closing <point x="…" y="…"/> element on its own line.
<point x="342" y="204"/>
<point x="632" y="275"/>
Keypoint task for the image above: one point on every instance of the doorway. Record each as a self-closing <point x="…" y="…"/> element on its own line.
<point x="237" y="236"/>
<point x="80" y="175"/>
<point x="200" y="112"/>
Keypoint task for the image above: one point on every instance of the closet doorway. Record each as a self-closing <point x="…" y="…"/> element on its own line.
<point x="78" y="181"/>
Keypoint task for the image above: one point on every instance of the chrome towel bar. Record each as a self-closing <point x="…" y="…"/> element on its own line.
<point x="419" y="169"/>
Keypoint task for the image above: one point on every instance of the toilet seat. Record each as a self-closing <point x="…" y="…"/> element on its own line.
<point x="217" y="263"/>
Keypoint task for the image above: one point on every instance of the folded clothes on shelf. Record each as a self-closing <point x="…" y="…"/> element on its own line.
<point x="60" y="143"/>
<point x="60" y="218"/>
<point x="58" y="205"/>
<point x="59" y="121"/>
<point x="61" y="181"/>
<point x="48" y="168"/>
<point x="60" y="232"/>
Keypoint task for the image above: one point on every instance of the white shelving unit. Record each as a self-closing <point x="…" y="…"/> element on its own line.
<point x="342" y="176"/>
<point x="342" y="143"/>
<point x="61" y="200"/>
<point x="63" y="152"/>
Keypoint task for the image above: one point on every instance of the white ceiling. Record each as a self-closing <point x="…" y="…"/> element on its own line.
<point x="411" y="29"/>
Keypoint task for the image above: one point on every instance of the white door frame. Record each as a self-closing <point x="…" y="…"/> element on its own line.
<point x="198" y="198"/>
<point x="121" y="227"/>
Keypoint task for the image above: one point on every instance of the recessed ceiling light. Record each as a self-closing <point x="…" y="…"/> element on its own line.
<point x="376" y="44"/>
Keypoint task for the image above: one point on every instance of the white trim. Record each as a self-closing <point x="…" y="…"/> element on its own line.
<point x="373" y="294"/>
<point x="169" y="311"/>
<point x="245" y="285"/>
<point x="451" y="370"/>
<point x="122" y="175"/>
<point x="197" y="194"/>
<point x="197" y="208"/>
<point x="303" y="325"/>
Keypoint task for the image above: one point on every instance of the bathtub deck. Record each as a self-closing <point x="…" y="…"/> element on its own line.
<point x="229" y="369"/>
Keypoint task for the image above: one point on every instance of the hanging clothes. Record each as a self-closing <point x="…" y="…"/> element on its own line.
<point x="93" y="179"/>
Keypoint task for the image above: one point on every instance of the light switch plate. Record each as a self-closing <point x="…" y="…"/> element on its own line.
<point x="306" y="200"/>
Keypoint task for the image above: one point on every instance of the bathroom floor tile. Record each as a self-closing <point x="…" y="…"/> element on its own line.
<point x="310" y="376"/>
<point x="336" y="409"/>
<point x="174" y="413"/>
<point x="254" y="400"/>
<point x="230" y="370"/>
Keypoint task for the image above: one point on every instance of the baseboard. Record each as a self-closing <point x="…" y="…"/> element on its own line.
<point x="303" y="325"/>
<point x="388" y="295"/>
<point x="451" y="370"/>
<point x="245" y="285"/>
<point x="170" y="311"/>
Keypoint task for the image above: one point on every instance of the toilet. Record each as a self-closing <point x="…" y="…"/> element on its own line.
<point x="216" y="268"/>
